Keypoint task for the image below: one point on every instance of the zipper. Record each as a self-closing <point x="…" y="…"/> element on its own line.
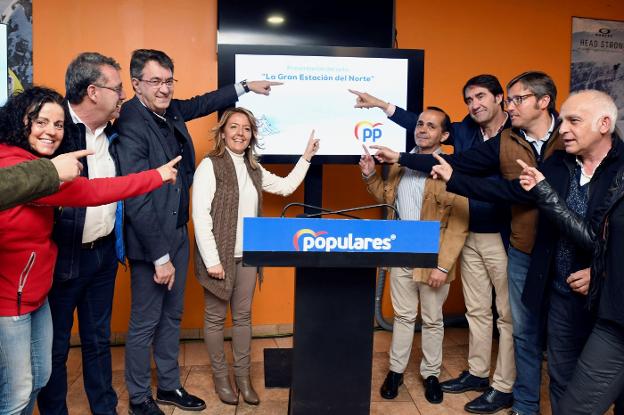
<point x="22" y="280"/>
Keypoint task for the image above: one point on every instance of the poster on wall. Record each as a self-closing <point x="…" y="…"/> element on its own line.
<point x="598" y="59"/>
<point x="17" y="16"/>
<point x="4" y="90"/>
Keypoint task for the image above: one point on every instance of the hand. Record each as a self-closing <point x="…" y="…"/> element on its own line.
<point x="262" y="87"/>
<point x="367" y="164"/>
<point x="311" y="148"/>
<point x="442" y="171"/>
<point x="365" y="100"/>
<point x="530" y="176"/>
<point x="579" y="281"/>
<point x="168" y="172"/>
<point x="436" y="278"/>
<point x="67" y="165"/>
<point x="165" y="274"/>
<point x="216" y="271"/>
<point x="385" y="155"/>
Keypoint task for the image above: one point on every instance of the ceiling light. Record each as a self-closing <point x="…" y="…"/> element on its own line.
<point x="275" y="19"/>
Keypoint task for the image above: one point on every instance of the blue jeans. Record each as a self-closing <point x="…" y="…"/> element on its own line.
<point x="25" y="359"/>
<point x="91" y="292"/>
<point x="528" y="338"/>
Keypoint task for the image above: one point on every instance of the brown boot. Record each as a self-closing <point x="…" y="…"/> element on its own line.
<point x="225" y="391"/>
<point x="246" y="389"/>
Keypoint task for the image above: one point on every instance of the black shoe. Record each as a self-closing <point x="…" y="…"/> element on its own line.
<point x="465" y="382"/>
<point x="148" y="407"/>
<point x="180" y="398"/>
<point x="433" y="391"/>
<point x="489" y="402"/>
<point x="390" y="387"/>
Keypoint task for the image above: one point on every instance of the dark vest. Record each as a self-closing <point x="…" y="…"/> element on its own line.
<point x="224" y="213"/>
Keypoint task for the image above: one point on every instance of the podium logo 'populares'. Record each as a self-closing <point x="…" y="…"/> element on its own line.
<point x="307" y="240"/>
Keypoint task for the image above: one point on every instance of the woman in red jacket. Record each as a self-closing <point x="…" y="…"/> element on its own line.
<point x="31" y="126"/>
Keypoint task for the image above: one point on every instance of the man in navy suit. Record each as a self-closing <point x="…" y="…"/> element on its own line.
<point x="152" y="128"/>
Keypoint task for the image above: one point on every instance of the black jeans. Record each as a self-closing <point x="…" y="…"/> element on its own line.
<point x="599" y="377"/>
<point x="569" y="327"/>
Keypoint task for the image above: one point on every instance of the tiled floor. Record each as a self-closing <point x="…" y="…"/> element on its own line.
<point x="197" y="379"/>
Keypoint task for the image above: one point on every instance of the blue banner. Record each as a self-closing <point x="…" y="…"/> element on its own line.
<point x="340" y="235"/>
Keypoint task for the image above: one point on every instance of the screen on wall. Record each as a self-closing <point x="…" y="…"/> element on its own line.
<point x="315" y="96"/>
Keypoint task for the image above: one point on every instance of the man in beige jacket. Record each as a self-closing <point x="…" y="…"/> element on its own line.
<point x="418" y="197"/>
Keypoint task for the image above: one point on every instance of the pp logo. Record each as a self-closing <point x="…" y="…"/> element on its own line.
<point x="365" y="130"/>
<point x="303" y="232"/>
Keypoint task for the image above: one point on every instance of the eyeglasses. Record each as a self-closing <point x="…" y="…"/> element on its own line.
<point x="118" y="89"/>
<point x="518" y="99"/>
<point x="157" y="82"/>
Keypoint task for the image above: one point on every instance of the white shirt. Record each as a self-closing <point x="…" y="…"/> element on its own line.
<point x="99" y="220"/>
<point x="204" y="187"/>
<point x="539" y="142"/>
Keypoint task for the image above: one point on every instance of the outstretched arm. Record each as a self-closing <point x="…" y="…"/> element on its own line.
<point x="569" y="223"/>
<point x="284" y="186"/>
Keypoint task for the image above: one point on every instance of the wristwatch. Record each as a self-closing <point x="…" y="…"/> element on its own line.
<point x="244" y="85"/>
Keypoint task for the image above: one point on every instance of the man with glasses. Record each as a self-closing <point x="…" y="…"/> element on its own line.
<point x="483" y="257"/>
<point x="88" y="246"/>
<point x="534" y="137"/>
<point x="152" y="127"/>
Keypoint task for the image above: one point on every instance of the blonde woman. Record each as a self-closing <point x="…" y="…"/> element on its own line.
<point x="228" y="187"/>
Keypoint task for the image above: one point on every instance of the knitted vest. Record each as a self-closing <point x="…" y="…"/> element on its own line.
<point x="224" y="213"/>
<point x="523" y="217"/>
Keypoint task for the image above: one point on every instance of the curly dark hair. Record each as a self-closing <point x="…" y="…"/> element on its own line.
<point x="19" y="112"/>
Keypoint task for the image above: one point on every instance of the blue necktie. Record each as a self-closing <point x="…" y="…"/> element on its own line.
<point x="120" y="249"/>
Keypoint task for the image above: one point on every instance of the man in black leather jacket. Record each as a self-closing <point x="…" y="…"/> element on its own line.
<point x="599" y="376"/>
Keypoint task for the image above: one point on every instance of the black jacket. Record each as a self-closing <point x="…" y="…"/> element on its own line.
<point x="69" y="221"/>
<point x="151" y="219"/>
<point x="557" y="169"/>
<point x="602" y="234"/>
<point x="484" y="217"/>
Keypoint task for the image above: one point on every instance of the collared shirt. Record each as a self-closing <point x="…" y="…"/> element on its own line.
<point x="500" y="128"/>
<point x="99" y="220"/>
<point x="410" y="192"/>
<point x="584" y="178"/>
<point x="539" y="142"/>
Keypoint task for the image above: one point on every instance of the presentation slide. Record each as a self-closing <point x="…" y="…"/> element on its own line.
<point x="315" y="96"/>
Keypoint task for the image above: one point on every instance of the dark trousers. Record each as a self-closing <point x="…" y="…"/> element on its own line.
<point x="569" y="326"/>
<point x="155" y="318"/>
<point x="92" y="294"/>
<point x="599" y="377"/>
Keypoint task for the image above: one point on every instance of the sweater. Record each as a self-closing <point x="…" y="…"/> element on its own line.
<point x="224" y="213"/>
<point x="27" y="252"/>
<point x="205" y="186"/>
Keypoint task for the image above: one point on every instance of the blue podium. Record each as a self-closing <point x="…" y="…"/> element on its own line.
<point x="336" y="263"/>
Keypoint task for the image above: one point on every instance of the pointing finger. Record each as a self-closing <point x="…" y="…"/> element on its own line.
<point x="440" y="159"/>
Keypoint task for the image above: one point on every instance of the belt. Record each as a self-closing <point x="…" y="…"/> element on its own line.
<point x="98" y="242"/>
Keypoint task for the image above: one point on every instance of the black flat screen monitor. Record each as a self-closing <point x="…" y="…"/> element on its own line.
<point x="315" y="96"/>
